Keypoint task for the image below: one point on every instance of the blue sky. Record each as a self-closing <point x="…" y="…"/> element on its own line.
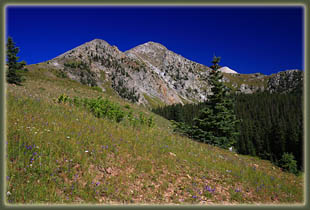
<point x="248" y="39"/>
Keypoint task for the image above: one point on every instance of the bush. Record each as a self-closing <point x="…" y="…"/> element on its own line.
<point x="63" y="98"/>
<point x="288" y="163"/>
<point x="150" y="122"/>
<point x="102" y="108"/>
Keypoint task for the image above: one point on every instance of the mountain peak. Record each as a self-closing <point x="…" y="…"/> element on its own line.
<point x="226" y="69"/>
<point x="98" y="41"/>
<point x="151" y="43"/>
<point x="149" y="46"/>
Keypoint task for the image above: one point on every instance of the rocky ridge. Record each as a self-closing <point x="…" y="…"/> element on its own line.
<point x="135" y="74"/>
<point x="286" y="81"/>
<point x="151" y="72"/>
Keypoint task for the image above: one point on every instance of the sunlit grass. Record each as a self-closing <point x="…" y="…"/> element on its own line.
<point x="59" y="153"/>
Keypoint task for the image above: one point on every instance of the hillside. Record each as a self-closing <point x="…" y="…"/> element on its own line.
<point x="152" y="75"/>
<point x="61" y="153"/>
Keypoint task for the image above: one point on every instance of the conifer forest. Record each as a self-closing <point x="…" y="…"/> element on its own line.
<point x="270" y="125"/>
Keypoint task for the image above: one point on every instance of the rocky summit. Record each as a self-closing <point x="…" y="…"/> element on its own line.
<point x="152" y="74"/>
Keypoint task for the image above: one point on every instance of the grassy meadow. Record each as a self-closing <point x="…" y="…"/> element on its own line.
<point x="59" y="153"/>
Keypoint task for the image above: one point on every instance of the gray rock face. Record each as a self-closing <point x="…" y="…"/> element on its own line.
<point x="244" y="88"/>
<point x="187" y="79"/>
<point x="249" y="89"/>
<point x="151" y="71"/>
<point x="148" y="69"/>
<point x="286" y="81"/>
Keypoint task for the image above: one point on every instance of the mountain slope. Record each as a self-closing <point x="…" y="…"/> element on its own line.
<point x="187" y="78"/>
<point x="60" y="153"/>
<point x="152" y="75"/>
<point x="128" y="73"/>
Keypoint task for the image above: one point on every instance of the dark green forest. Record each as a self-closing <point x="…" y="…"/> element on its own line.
<point x="270" y="125"/>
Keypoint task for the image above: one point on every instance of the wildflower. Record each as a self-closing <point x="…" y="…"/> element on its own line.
<point x="97" y="183"/>
<point x="8" y="193"/>
<point x="209" y="188"/>
<point x="237" y="190"/>
<point x="194" y="196"/>
<point x="7" y="177"/>
<point x="228" y="171"/>
<point x="86" y="151"/>
<point x="68" y="137"/>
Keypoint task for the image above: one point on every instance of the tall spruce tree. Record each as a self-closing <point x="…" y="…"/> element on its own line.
<point x="217" y="123"/>
<point x="14" y="67"/>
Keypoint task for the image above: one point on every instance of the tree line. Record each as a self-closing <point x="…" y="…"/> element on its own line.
<point x="270" y="125"/>
<point x="266" y="125"/>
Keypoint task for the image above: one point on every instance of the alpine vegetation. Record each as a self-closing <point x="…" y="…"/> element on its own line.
<point x="14" y="68"/>
<point x="216" y="123"/>
<point x="81" y="131"/>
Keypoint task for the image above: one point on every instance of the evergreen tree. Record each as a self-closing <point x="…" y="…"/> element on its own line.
<point x="13" y="74"/>
<point x="217" y="123"/>
<point x="269" y="124"/>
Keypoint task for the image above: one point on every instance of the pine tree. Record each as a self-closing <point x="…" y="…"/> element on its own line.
<point x="14" y="66"/>
<point x="217" y="123"/>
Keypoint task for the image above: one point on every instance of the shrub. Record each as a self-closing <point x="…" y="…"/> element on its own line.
<point x="288" y="163"/>
<point x="150" y="122"/>
<point x="102" y="108"/>
<point x="63" y="98"/>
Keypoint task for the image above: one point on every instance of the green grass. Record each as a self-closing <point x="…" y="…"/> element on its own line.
<point x="153" y="102"/>
<point x="61" y="153"/>
<point x="245" y="79"/>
